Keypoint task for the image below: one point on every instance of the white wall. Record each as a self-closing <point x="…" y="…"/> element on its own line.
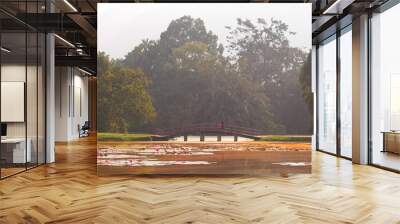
<point x="16" y="73"/>
<point x="71" y="102"/>
<point x="80" y="110"/>
<point x="62" y="82"/>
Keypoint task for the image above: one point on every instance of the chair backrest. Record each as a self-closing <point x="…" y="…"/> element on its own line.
<point x="86" y="125"/>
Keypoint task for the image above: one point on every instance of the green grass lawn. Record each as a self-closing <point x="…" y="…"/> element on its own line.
<point x="123" y="137"/>
<point x="284" y="138"/>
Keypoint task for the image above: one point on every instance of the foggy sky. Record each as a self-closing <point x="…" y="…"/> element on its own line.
<point x="122" y="26"/>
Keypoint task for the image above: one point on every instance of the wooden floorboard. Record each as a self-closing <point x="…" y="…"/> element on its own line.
<point x="69" y="191"/>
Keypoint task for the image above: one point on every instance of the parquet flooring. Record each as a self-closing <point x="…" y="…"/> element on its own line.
<point x="69" y="191"/>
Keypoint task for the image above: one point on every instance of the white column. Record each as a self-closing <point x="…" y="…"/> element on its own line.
<point x="360" y="90"/>
<point x="50" y="98"/>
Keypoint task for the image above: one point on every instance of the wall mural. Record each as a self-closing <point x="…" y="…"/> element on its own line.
<point x="204" y="88"/>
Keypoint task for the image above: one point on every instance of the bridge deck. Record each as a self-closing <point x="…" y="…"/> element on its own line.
<point x="218" y="129"/>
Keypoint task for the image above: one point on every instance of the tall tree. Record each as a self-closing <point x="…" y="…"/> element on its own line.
<point x="305" y="81"/>
<point x="262" y="53"/>
<point x="124" y="103"/>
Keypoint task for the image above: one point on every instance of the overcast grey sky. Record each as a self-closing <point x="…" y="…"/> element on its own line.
<point x="122" y="26"/>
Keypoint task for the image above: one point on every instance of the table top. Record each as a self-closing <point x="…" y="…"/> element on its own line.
<point x="13" y="140"/>
<point x="391" y="132"/>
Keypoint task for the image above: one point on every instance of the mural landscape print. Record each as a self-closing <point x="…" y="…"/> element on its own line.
<point x="204" y="88"/>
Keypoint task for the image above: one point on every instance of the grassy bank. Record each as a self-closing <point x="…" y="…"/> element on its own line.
<point x="285" y="138"/>
<point x="123" y="137"/>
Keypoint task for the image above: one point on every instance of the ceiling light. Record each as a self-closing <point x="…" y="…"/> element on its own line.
<point x="65" y="41"/>
<point x="85" y="72"/>
<point x="70" y="5"/>
<point x="337" y="7"/>
<point x="79" y="51"/>
<point x="5" y="50"/>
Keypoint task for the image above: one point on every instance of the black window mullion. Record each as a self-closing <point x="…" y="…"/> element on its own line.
<point x="338" y="91"/>
<point x="316" y="97"/>
<point x="44" y="79"/>
<point x="37" y="90"/>
<point x="26" y="87"/>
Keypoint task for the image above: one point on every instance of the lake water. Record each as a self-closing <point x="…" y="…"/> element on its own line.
<point x="210" y="138"/>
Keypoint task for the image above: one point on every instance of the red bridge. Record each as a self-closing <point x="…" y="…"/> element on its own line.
<point x="218" y="129"/>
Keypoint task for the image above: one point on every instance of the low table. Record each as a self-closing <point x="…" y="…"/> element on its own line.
<point x="391" y="141"/>
<point x="13" y="150"/>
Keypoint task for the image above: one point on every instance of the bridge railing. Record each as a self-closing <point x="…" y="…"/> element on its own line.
<point x="209" y="127"/>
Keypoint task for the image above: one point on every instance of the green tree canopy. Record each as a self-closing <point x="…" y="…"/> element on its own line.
<point x="188" y="78"/>
<point x="262" y="52"/>
<point x="123" y="101"/>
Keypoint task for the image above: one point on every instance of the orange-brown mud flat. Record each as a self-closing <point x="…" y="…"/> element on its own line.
<point x="199" y="158"/>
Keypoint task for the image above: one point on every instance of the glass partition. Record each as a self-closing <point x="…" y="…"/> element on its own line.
<point x="346" y="93"/>
<point x="41" y="96"/>
<point x="14" y="153"/>
<point x="22" y="91"/>
<point x="385" y="89"/>
<point x="31" y="100"/>
<point x="327" y="96"/>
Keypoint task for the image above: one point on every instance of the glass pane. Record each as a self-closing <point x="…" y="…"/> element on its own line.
<point x="386" y="89"/>
<point x="23" y="90"/>
<point x="31" y="88"/>
<point x="31" y="97"/>
<point x="346" y="94"/>
<point x="13" y="86"/>
<point x="41" y="98"/>
<point x="327" y="96"/>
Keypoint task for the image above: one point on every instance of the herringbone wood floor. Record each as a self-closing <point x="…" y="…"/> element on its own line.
<point x="69" y="191"/>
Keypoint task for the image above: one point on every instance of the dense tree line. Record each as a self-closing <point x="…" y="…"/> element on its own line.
<point x="124" y="103"/>
<point x="186" y="77"/>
